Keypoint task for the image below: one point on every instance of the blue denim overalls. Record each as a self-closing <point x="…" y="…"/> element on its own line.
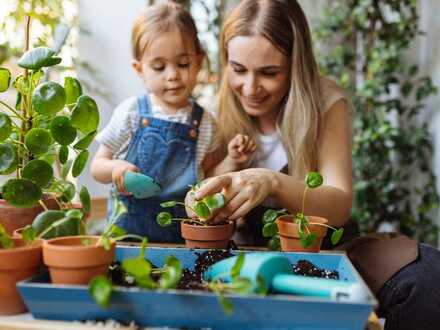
<point x="165" y="151"/>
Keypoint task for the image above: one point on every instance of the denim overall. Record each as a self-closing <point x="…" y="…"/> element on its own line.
<point x="165" y="151"/>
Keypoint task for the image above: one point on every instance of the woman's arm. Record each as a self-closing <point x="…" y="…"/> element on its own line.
<point x="248" y="188"/>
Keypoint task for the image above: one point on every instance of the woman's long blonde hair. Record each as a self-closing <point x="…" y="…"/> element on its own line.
<point x="284" y="24"/>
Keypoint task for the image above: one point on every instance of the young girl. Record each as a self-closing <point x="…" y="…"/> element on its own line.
<point x="163" y="134"/>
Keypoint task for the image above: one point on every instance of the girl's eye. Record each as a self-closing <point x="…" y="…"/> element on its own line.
<point x="183" y="65"/>
<point x="158" y="68"/>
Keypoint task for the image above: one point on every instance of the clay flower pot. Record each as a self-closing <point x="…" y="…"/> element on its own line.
<point x="207" y="237"/>
<point x="289" y="236"/>
<point x="70" y="261"/>
<point x="13" y="217"/>
<point x="17" y="264"/>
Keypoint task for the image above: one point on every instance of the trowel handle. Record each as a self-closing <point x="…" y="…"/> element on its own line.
<point x="317" y="287"/>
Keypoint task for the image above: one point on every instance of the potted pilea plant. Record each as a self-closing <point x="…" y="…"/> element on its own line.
<point x="77" y="259"/>
<point x="197" y="230"/>
<point x="48" y="122"/>
<point x="18" y="260"/>
<point x="298" y="232"/>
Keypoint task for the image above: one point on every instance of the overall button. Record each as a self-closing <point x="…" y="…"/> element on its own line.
<point x="192" y="133"/>
<point x="195" y="122"/>
<point x="145" y="122"/>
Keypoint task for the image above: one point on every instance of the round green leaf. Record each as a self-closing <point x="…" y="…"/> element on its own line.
<point x="85" y="141"/>
<point x="67" y="191"/>
<point x="5" y="79"/>
<point x="37" y="58"/>
<point x="215" y="201"/>
<point x="43" y="220"/>
<point x="270" y="229"/>
<point x="84" y="196"/>
<point x="270" y="216"/>
<point x="80" y="163"/>
<point x="73" y="89"/>
<point x="21" y="192"/>
<point x="49" y="98"/>
<point x="100" y="287"/>
<point x="85" y="115"/>
<point x="202" y="210"/>
<point x="313" y="179"/>
<point x="74" y="214"/>
<point x="5" y="126"/>
<point x="171" y="274"/>
<point x="39" y="172"/>
<point x="62" y="131"/>
<point x="336" y="236"/>
<point x="37" y="141"/>
<point x="8" y="158"/>
<point x="63" y="154"/>
<point x="164" y="219"/>
<point x="168" y="204"/>
<point x="274" y="243"/>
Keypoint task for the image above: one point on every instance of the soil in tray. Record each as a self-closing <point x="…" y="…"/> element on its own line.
<point x="192" y="279"/>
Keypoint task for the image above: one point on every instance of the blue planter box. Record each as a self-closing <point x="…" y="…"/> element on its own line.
<point x="195" y="309"/>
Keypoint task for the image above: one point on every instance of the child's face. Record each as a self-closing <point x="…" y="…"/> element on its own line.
<point x="169" y="69"/>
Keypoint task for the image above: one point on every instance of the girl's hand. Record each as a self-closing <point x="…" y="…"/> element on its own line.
<point x="243" y="191"/>
<point x="241" y="149"/>
<point x="118" y="174"/>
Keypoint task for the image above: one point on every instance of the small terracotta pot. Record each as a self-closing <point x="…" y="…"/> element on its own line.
<point x="207" y="237"/>
<point x="71" y="262"/>
<point x="12" y="217"/>
<point x="289" y="236"/>
<point x="17" y="264"/>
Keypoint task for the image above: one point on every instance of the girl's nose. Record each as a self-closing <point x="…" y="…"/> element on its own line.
<point x="172" y="73"/>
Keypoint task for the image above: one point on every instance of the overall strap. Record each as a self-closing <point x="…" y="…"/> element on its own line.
<point x="144" y="106"/>
<point x="196" y="115"/>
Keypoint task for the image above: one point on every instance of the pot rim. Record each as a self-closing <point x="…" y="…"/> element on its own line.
<point x="229" y="224"/>
<point x="36" y="244"/>
<point x="52" y="243"/>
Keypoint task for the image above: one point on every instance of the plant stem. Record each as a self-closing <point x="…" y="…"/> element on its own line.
<point x="12" y="110"/>
<point x="324" y="225"/>
<point x="43" y="205"/>
<point x="304" y="199"/>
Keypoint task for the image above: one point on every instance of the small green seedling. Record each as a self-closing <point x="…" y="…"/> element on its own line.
<point x="166" y="277"/>
<point x="6" y="241"/>
<point x="307" y="238"/>
<point x="204" y="209"/>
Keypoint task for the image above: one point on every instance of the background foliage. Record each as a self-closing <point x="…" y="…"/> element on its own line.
<point x="392" y="150"/>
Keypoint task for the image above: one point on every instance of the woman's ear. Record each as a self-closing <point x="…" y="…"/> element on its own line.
<point x="137" y="66"/>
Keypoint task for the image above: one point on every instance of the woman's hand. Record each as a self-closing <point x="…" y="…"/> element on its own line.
<point x="243" y="191"/>
<point x="118" y="173"/>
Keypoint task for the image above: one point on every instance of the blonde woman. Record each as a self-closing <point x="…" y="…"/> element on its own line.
<point x="272" y="93"/>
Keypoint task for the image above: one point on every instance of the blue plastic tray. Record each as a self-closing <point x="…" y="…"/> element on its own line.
<point x="194" y="309"/>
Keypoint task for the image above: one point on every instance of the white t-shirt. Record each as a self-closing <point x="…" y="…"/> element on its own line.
<point x="125" y="121"/>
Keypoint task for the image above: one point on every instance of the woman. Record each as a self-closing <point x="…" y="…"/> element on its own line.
<point x="272" y="92"/>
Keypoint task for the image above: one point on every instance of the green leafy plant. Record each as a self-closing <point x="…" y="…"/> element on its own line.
<point x="6" y="241"/>
<point x="48" y="122"/>
<point x="143" y="273"/>
<point x="307" y="238"/>
<point x="203" y="209"/>
<point x="392" y="145"/>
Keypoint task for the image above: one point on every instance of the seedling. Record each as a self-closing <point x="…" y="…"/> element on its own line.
<point x="307" y="238"/>
<point x="204" y="209"/>
<point x="142" y="273"/>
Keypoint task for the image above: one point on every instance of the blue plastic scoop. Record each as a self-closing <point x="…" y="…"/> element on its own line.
<point x="141" y="185"/>
<point x="277" y="273"/>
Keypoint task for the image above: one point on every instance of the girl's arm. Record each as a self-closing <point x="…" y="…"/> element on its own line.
<point x="248" y="188"/>
<point x="105" y="169"/>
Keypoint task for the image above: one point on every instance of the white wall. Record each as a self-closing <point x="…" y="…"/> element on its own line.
<point x="104" y="44"/>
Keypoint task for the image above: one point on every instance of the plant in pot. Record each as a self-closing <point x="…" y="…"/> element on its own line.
<point x="19" y="259"/>
<point x="77" y="259"/>
<point x="197" y="230"/>
<point x="47" y="123"/>
<point x="298" y="232"/>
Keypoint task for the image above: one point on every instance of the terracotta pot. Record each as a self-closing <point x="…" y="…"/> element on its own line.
<point x="12" y="217"/>
<point x="289" y="236"/>
<point x="207" y="237"/>
<point x="17" y="264"/>
<point x="71" y="262"/>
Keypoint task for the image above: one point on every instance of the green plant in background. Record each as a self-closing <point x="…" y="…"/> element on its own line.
<point x="47" y="122"/>
<point x="392" y="149"/>
<point x="307" y="238"/>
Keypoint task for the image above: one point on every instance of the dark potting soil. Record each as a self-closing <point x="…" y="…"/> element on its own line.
<point x="192" y="279"/>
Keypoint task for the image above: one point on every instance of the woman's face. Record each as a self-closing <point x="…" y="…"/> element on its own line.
<point x="258" y="73"/>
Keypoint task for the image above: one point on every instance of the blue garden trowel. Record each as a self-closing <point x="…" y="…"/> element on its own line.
<point x="141" y="185"/>
<point x="277" y="273"/>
